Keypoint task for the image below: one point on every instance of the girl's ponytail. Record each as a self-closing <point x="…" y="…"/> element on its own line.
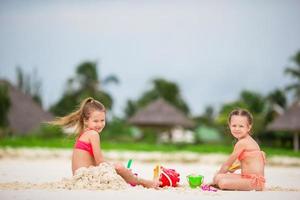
<point x="74" y="119"/>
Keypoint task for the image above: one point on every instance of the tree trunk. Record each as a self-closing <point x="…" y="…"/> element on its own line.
<point x="296" y="142"/>
<point x="170" y="136"/>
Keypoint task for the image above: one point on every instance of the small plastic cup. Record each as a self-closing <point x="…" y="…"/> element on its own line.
<point x="195" y="180"/>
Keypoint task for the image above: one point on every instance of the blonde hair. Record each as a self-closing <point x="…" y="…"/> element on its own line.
<point x="76" y="118"/>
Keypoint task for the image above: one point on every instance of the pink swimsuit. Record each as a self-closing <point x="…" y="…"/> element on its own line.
<point x="84" y="146"/>
<point x="257" y="180"/>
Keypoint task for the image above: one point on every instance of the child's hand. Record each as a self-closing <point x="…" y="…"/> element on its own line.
<point x="235" y="166"/>
<point x="231" y="170"/>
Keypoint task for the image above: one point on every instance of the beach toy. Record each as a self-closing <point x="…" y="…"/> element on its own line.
<point x="208" y="188"/>
<point x="168" y="177"/>
<point x="236" y="165"/>
<point x="129" y="163"/>
<point x="156" y="172"/>
<point x="195" y="180"/>
<point x="128" y="166"/>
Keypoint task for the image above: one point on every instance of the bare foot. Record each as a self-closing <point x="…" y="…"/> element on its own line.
<point x="149" y="183"/>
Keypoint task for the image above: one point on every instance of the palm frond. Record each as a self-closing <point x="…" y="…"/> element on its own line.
<point x="111" y="79"/>
<point x="293" y="72"/>
<point x="294" y="86"/>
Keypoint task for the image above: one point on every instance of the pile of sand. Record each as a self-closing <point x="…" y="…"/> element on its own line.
<point x="101" y="177"/>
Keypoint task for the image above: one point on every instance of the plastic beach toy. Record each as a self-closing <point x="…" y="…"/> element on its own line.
<point x="156" y="172"/>
<point x="208" y="188"/>
<point x="128" y="166"/>
<point x="167" y="177"/>
<point x="129" y="163"/>
<point x="195" y="180"/>
<point x="236" y="165"/>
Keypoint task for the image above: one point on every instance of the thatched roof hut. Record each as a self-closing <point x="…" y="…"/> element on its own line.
<point x="289" y="121"/>
<point x="161" y="114"/>
<point x="24" y="114"/>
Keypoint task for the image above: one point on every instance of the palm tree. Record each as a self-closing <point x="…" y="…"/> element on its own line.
<point x="207" y="118"/>
<point x="167" y="90"/>
<point x="4" y="104"/>
<point x="277" y="97"/>
<point x="294" y="72"/>
<point x="253" y="100"/>
<point x="30" y="84"/>
<point x="85" y="83"/>
<point x="161" y="89"/>
<point x="130" y="108"/>
<point x="276" y="103"/>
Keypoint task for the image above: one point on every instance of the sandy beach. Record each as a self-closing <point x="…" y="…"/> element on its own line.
<point x="21" y="168"/>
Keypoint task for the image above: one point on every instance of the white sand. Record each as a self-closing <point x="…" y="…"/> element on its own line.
<point x="102" y="177"/>
<point x="28" y="174"/>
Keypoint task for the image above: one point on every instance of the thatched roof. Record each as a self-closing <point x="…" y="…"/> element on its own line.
<point x="161" y="114"/>
<point x="24" y="114"/>
<point x="288" y="121"/>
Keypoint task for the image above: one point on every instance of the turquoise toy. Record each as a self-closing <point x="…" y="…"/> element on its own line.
<point x="129" y="163"/>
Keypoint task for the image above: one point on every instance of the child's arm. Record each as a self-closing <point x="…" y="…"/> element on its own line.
<point x="232" y="158"/>
<point x="235" y="166"/>
<point x="95" y="141"/>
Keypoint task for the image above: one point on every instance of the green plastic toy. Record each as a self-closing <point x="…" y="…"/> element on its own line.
<point x="195" y="180"/>
<point x="129" y="163"/>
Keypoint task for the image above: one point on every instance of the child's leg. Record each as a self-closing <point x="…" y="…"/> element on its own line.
<point x="218" y="177"/>
<point x="129" y="177"/>
<point x="148" y="183"/>
<point x="126" y="174"/>
<point x="235" y="182"/>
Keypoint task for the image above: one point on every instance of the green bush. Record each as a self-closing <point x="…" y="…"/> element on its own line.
<point x="48" y="131"/>
<point x="149" y="136"/>
<point x="117" y="130"/>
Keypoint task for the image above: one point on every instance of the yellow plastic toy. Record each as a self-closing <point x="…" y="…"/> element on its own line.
<point x="235" y="166"/>
<point x="156" y="172"/>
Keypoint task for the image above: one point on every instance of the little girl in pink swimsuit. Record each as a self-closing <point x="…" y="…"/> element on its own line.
<point x="89" y="120"/>
<point x="247" y="151"/>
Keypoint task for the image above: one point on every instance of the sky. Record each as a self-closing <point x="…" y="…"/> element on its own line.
<point x="213" y="49"/>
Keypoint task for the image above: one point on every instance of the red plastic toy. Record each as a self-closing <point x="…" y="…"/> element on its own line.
<point x="168" y="177"/>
